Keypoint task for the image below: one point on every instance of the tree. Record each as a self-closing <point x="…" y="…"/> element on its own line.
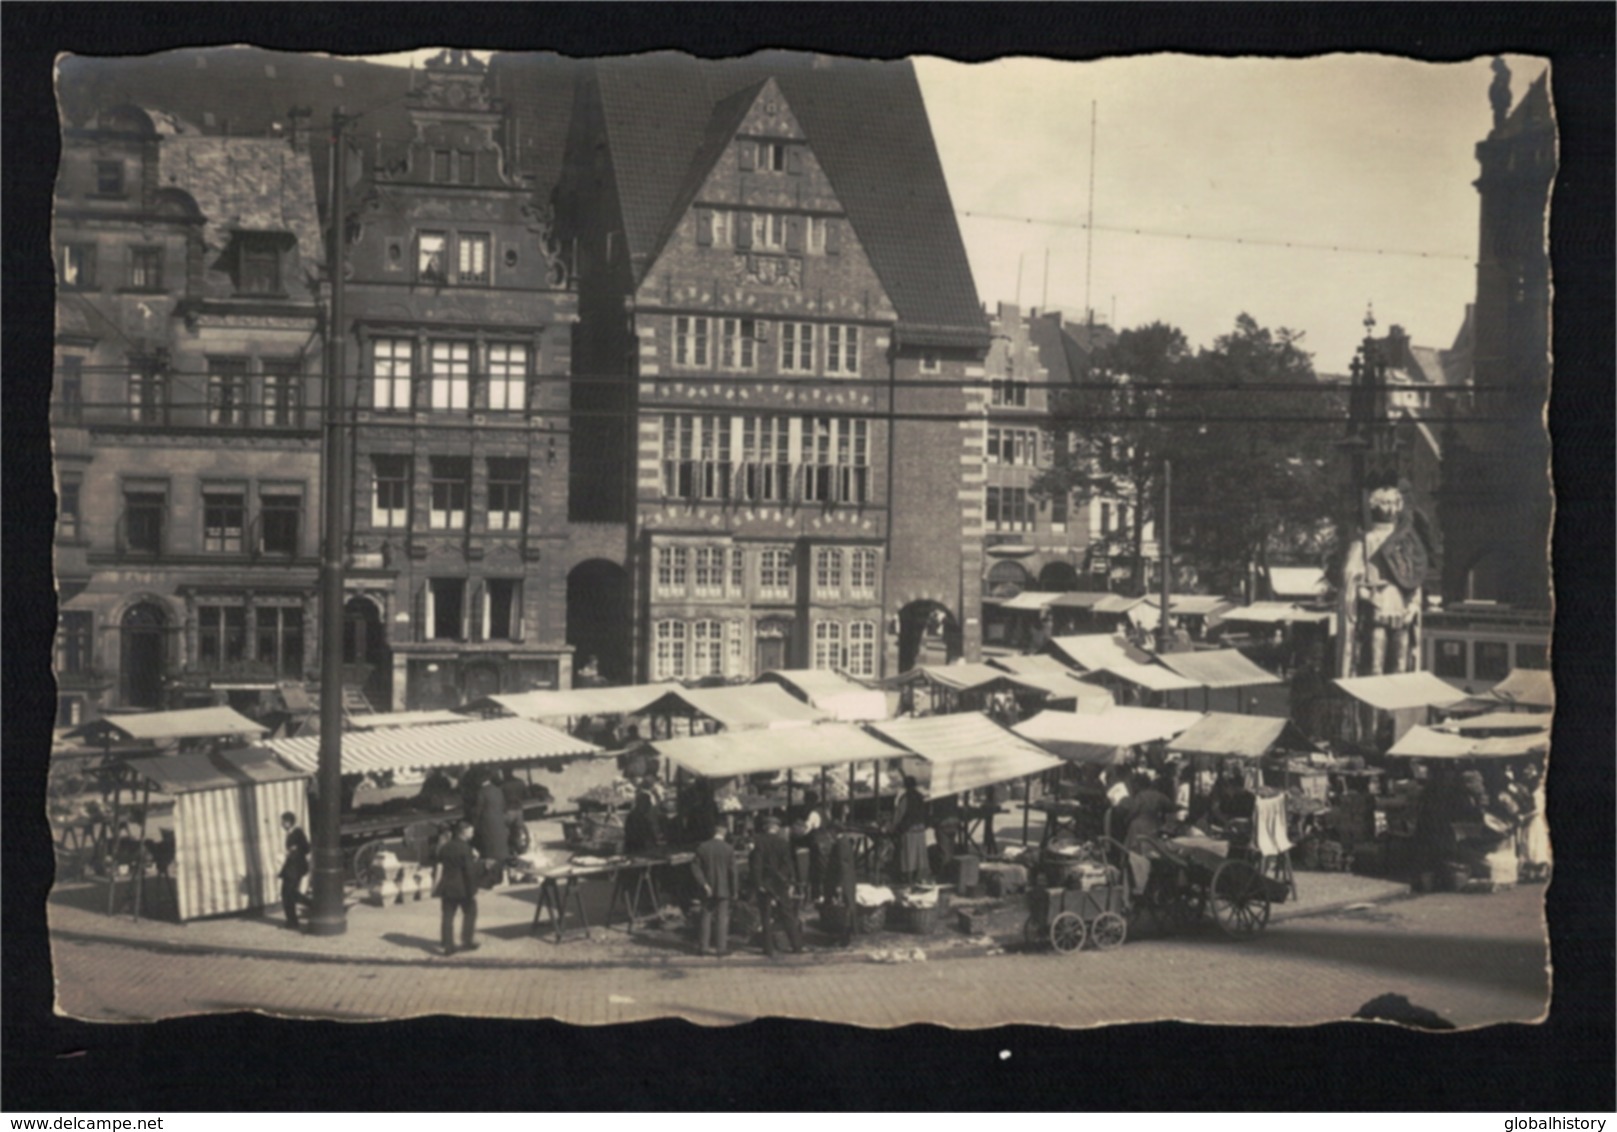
<point x="1110" y="434"/>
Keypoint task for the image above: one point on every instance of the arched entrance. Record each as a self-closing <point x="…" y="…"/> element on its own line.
<point x="1007" y="579"/>
<point x="598" y="619"/>
<point x="1058" y="577"/>
<point x="367" y="660"/>
<point x="927" y="634"/>
<point x="773" y="644"/>
<point x="143" y="655"/>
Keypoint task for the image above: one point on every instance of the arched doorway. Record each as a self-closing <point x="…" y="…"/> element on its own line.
<point x="143" y="655"/>
<point x="598" y="619"/>
<point x="1007" y="579"/>
<point x="772" y="646"/>
<point x="367" y="660"/>
<point x="927" y="634"/>
<point x="1058" y="577"/>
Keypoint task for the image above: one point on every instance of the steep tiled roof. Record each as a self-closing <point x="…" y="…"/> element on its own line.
<point x="244" y="184"/>
<point x="538" y="88"/>
<point x="1044" y="331"/>
<point x="869" y="130"/>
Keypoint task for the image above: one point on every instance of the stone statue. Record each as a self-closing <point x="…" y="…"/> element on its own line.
<point x="1381" y="589"/>
<point x="1499" y="92"/>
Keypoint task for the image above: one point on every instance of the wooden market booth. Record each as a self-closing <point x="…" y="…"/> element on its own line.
<point x="841" y="696"/>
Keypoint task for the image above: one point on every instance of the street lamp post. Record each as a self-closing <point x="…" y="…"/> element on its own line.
<point x="327" y="916"/>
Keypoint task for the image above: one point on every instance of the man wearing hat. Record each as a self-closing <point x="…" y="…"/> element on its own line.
<point x="714" y="867"/>
<point x="774" y="873"/>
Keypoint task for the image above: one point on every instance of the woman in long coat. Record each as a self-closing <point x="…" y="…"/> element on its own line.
<point x="489" y="819"/>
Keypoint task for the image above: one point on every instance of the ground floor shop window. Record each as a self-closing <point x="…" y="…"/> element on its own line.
<point x="280" y="639"/>
<point x="221" y="635"/>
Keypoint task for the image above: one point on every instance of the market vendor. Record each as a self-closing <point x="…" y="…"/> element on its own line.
<point x="1145" y="812"/>
<point x="910" y="823"/>
<point x="493" y="832"/>
<point x="643" y="827"/>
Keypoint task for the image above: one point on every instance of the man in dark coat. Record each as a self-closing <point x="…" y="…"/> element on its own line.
<point x="293" y="869"/>
<point x="841" y="879"/>
<point x="458" y="876"/>
<point x="492" y="829"/>
<point x="718" y="877"/>
<point x="774" y="873"/>
<point x="643" y="827"/>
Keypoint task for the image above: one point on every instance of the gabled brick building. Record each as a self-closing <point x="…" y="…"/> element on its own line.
<point x="778" y="383"/>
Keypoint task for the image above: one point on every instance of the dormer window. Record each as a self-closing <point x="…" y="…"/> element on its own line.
<point x="772" y="156"/>
<point x="258" y="263"/>
<point x="109" y="178"/>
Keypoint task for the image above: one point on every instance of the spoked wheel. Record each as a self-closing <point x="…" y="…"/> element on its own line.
<point x="1238" y="902"/>
<point x="1108" y="931"/>
<point x="1067" y="932"/>
<point x="1033" y="932"/>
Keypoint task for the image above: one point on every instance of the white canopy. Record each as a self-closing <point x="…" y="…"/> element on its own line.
<point x="1271" y="613"/>
<point x="732" y="753"/>
<point x="1217" y="668"/>
<point x="1226" y="735"/>
<point x="1063" y="683"/>
<point x="449" y="744"/>
<point x="1029" y="601"/>
<point x="378" y="720"/>
<point x="1397" y="691"/>
<point x="1425" y="743"/>
<point x="1519" y="721"/>
<point x="1152" y="677"/>
<point x="961" y="677"/>
<point x="749" y="706"/>
<point x="1526" y="687"/>
<point x="967" y="751"/>
<point x="575" y="702"/>
<point x="1094" y="651"/>
<point x="158" y="726"/>
<point x="1102" y="738"/>
<point x="844" y="698"/>
<point x="1297" y="581"/>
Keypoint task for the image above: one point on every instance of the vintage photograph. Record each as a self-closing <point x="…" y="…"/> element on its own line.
<point x="796" y="535"/>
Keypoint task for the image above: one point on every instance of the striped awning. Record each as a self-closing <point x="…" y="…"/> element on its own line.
<point x="968" y="751"/>
<point x="733" y="753"/>
<point x="1239" y="736"/>
<point x="458" y="744"/>
<point x="1397" y="691"/>
<point x="1217" y="668"/>
<point x="158" y="726"/>
<point x="1103" y="738"/>
<point x="574" y="702"/>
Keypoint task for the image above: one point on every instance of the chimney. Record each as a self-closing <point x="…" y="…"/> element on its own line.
<point x="1397" y="347"/>
<point x="298" y="119"/>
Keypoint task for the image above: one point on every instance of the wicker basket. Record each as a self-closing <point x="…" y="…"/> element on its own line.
<point x="869" y="921"/>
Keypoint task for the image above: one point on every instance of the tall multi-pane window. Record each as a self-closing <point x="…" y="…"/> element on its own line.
<point x="679" y="456"/>
<point x="221" y="635"/>
<point x="715" y="450"/>
<point x="765" y="453"/>
<point x="711" y="567"/>
<point x="1008" y="393"/>
<point x="775" y="574"/>
<point x="224" y="520"/>
<point x="1058" y="511"/>
<point x="828" y="572"/>
<point x="145" y="509"/>
<point x="862" y="573"/>
<point x="797" y="347"/>
<point x="691" y="341"/>
<point x="507" y="480"/>
<point x="842" y="350"/>
<point x="815" y="457"/>
<point x="471" y="257"/>
<point x="507" y="377"/>
<point x="446" y="609"/>
<point x="259" y="269"/>
<point x="74" y="643"/>
<point x="282" y="394"/>
<point x="78" y="267"/>
<point x="502" y="609"/>
<point x="280" y="520"/>
<point x="109" y="178"/>
<point x="390" y="374"/>
<point x="227" y="391"/>
<point x="669" y="659"/>
<point x="432" y="257"/>
<point x="280" y="639"/>
<point x="707" y="652"/>
<point x="70" y="389"/>
<point x="148" y="395"/>
<point x="827" y="644"/>
<point x="146" y="269"/>
<point x="739" y="343"/>
<point x="738" y="572"/>
<point x="673" y="572"/>
<point x="861" y="648"/>
<point x="451" y="376"/>
<point x="67" y="506"/>
<point x="451" y="487"/>
<point x="390" y="497"/>
<point x="835" y="455"/>
<point x="853" y="462"/>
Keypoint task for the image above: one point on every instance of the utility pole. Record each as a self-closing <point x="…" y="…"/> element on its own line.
<point x="1165" y="552"/>
<point x="327" y="916"/>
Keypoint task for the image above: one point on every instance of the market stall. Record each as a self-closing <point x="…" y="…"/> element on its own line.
<point x="377" y="721"/>
<point x="1095" y="612"/>
<point x="1402" y="691"/>
<point x="1111" y="662"/>
<point x="744" y="707"/>
<point x="1188" y="612"/>
<point x="1104" y="739"/>
<point x="1218" y="669"/>
<point x="1528" y="689"/>
<point x="227" y="841"/>
<point x="963" y="687"/>
<point x="1062" y="682"/>
<point x="1222" y="735"/>
<point x="185" y="727"/>
<point x="842" y="698"/>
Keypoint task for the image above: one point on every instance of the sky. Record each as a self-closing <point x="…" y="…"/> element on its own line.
<point x="1364" y="152"/>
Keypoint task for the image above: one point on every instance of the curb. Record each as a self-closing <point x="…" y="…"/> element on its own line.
<point x="816" y="958"/>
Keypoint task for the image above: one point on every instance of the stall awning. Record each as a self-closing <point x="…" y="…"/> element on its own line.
<point x="962" y="677"/>
<point x="748" y="706"/>
<point x="733" y="753"/>
<point x="967" y="751"/>
<point x="1094" y="651"/>
<point x="1186" y="605"/>
<point x="845" y="699"/>
<point x="157" y="726"/>
<point x="1425" y="743"/>
<point x="420" y="748"/>
<point x="1398" y="691"/>
<point x="1526" y="687"/>
<point x="1102" y="738"/>
<point x="1061" y="681"/>
<point x="1218" y="668"/>
<point x="1519" y="721"/>
<point x="376" y="721"/>
<point x="1239" y="736"/>
<point x="1151" y="677"/>
<point x="1028" y="601"/>
<point x="185" y="774"/>
<point x="1305" y="582"/>
<point x="574" y="702"/>
<point x="1271" y="613"/>
<point x="1096" y="602"/>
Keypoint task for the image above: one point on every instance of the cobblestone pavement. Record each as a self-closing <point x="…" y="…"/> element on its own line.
<point x="1473" y="959"/>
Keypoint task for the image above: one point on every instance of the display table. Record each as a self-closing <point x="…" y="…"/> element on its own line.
<point x="632" y="884"/>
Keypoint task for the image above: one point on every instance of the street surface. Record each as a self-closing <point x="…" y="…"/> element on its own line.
<point x="1473" y="959"/>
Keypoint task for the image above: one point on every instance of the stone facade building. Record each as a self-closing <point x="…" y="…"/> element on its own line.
<point x="185" y="411"/>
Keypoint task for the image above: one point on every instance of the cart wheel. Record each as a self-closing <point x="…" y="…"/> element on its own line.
<point x="1067" y="932"/>
<point x="1033" y="932"/>
<point x="1108" y="931"/>
<point x="363" y="856"/>
<point x="1237" y="900"/>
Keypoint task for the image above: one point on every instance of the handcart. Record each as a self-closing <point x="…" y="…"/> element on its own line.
<point x="1068" y="918"/>
<point x="1192" y="881"/>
